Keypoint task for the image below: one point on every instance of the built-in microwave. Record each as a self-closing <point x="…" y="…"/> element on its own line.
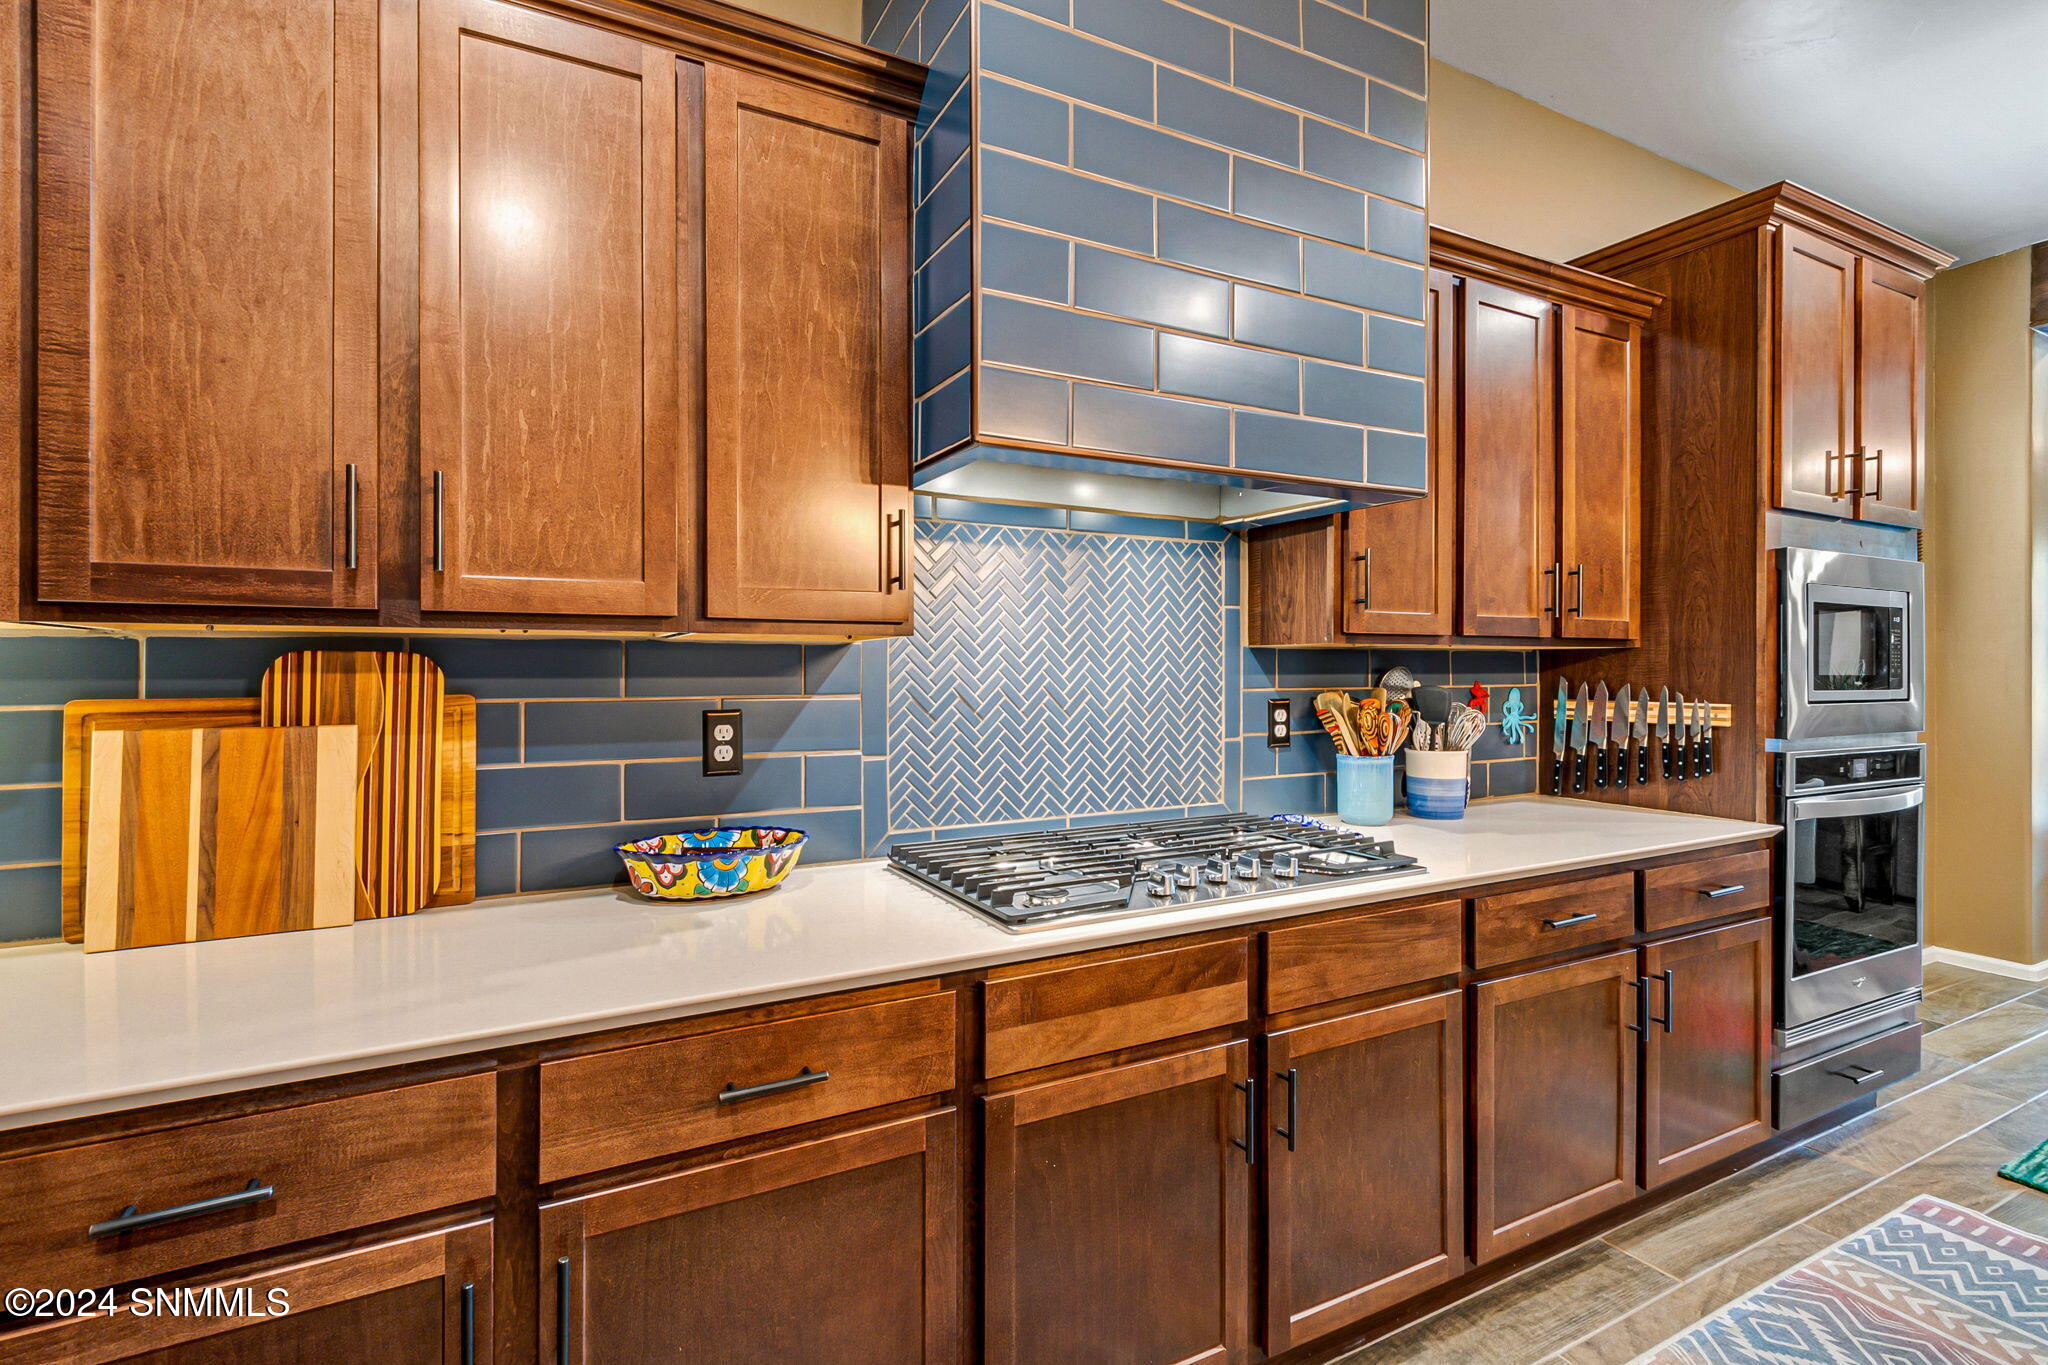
<point x="1851" y="662"/>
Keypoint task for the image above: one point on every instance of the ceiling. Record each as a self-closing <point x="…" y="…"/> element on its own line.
<point x="1932" y="117"/>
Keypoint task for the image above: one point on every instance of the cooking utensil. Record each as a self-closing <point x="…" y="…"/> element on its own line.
<point x="1433" y="704"/>
<point x="1639" y="730"/>
<point x="1707" y="741"/>
<point x="218" y="833"/>
<point x="1679" y="726"/>
<point x="393" y="698"/>
<point x="1560" y="717"/>
<point x="1333" y="713"/>
<point x="1664" y="732"/>
<point x="1598" y="735"/>
<point x="1467" y="724"/>
<point x="1623" y="703"/>
<point x="1398" y="682"/>
<point x="1582" y="715"/>
<point x="1702" y="722"/>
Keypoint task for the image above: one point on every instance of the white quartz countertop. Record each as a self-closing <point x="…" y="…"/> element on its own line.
<point x="88" y="1034"/>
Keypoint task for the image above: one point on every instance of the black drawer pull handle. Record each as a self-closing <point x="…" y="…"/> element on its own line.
<point x="1715" y="893"/>
<point x="1869" y="1074"/>
<point x="733" y="1094"/>
<point x="1571" y="920"/>
<point x="469" y="1324"/>
<point x="1670" y="1001"/>
<point x="565" y="1285"/>
<point x="1249" y="1088"/>
<point x="1292" y="1075"/>
<point x="130" y="1220"/>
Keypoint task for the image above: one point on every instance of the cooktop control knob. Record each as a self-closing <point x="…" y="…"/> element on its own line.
<point x="1245" y="866"/>
<point x="1184" y="876"/>
<point x="1283" y="866"/>
<point x="1157" y="883"/>
<point x="1216" y="872"/>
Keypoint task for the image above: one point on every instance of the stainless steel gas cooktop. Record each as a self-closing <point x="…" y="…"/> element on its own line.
<point x="1035" y="881"/>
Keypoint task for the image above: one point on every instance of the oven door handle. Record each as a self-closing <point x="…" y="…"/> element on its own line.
<point x="1853" y="803"/>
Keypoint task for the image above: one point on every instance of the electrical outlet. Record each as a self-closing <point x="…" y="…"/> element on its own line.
<point x="1279" y="723"/>
<point x="724" y="743"/>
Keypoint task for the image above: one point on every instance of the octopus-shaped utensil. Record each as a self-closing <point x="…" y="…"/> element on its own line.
<point x="1517" y="722"/>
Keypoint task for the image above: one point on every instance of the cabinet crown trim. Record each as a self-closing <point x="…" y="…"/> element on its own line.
<point x="1783" y="202"/>
<point x="1459" y="254"/>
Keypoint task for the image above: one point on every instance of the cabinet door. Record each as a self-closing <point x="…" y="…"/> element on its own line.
<point x="1815" y="372"/>
<point x="1507" y="442"/>
<point x="1553" y="1099"/>
<point x="1707" y="1063"/>
<point x="1598" y="473"/>
<point x="806" y="498"/>
<point x="424" y="1300"/>
<point x="1891" y="378"/>
<point x="1401" y="556"/>
<point x="206" y="268"/>
<point x="843" y="1249"/>
<point x="549" y="307"/>
<point x="1365" y="1173"/>
<point x="1115" y="1215"/>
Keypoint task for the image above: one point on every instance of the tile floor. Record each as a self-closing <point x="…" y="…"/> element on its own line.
<point x="1980" y="1099"/>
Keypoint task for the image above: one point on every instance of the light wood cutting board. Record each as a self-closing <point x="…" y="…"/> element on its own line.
<point x="219" y="833"/>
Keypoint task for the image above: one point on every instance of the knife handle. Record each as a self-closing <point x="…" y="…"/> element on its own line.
<point x="1699" y="757"/>
<point x="1664" y="756"/>
<point x="1707" y="753"/>
<point x="1600" y="766"/>
<point x="1642" y="763"/>
<point x="1557" y="767"/>
<point x="1578" y="770"/>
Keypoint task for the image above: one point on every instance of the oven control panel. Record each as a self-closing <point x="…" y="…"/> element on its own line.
<point x="1853" y="768"/>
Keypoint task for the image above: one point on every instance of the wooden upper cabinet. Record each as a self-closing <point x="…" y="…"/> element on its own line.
<point x="1707" y="1058"/>
<point x="805" y="510"/>
<point x="206" y="270"/>
<point x="1891" y="392"/>
<point x="1402" y="556"/>
<point x="1507" y="381"/>
<point x="1115" y="1212"/>
<point x="1599" y="496"/>
<point x="1816" y="372"/>
<point x="550" y="430"/>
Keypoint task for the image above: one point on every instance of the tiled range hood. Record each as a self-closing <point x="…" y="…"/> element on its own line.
<point x="1170" y="256"/>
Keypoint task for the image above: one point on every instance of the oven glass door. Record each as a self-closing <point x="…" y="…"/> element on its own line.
<point x="1853" y="887"/>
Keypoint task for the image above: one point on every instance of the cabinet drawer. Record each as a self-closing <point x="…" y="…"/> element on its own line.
<point x="1551" y="919"/>
<point x="1706" y="888"/>
<point x="328" y="1167"/>
<point x="1813" y="1087"/>
<point x="640" y="1102"/>
<point x="1044" y="1013"/>
<point x="1365" y="952"/>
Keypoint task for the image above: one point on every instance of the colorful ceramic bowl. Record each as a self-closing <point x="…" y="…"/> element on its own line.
<point x="703" y="864"/>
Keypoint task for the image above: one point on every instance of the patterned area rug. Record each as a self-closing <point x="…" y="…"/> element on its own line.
<point x="1929" y="1284"/>
<point x="2030" y="1170"/>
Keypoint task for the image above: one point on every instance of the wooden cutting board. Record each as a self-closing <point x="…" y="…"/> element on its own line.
<point x="394" y="699"/>
<point x="219" y="833"/>
<point x="85" y="719"/>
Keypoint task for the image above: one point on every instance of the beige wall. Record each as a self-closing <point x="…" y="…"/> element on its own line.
<point x="840" y="18"/>
<point x="1507" y="170"/>
<point x="1984" y="857"/>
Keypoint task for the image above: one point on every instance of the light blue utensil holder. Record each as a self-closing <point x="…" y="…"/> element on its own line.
<point x="1438" y="782"/>
<point x="1365" y="790"/>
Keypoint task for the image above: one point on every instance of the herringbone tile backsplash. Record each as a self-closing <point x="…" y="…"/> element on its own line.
<point x="1067" y="667"/>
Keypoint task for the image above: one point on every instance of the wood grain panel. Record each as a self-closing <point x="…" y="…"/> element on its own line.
<point x="206" y="190"/>
<point x="549" y="308"/>
<point x="1554" y="1103"/>
<point x="1514" y="925"/>
<point x="1815" y="371"/>
<point x="1891" y="392"/>
<point x="1599" y="488"/>
<point x="806" y="497"/>
<point x="1310" y="964"/>
<point x="858" y="1234"/>
<point x="1677" y="895"/>
<point x="1116" y="1210"/>
<point x="611" y="1108"/>
<point x="398" y="1303"/>
<point x="1363" y="1213"/>
<point x="1507" y="375"/>
<point x="1045" y="1012"/>
<point x="1707" y="1066"/>
<point x="338" y="1164"/>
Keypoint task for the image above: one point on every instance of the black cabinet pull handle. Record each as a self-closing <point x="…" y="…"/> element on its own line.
<point x="469" y="1324"/>
<point x="1665" y="1018"/>
<point x="1869" y="1074"/>
<point x="132" y="1220"/>
<point x="1642" y="1010"/>
<point x="348" y="513"/>
<point x="1555" y="576"/>
<point x="733" y="1094"/>
<point x="1292" y="1076"/>
<point x="896" y="547"/>
<point x="564" y="1286"/>
<point x="1364" y="598"/>
<point x="1714" y="893"/>
<point x="1571" y="920"/>
<point x="1579" y="590"/>
<point x="1249" y="1088"/>
<point x="440" y="522"/>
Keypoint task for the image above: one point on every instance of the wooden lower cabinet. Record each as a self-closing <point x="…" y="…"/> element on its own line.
<point x="842" y="1249"/>
<point x="1364" y="1168"/>
<point x="422" y="1300"/>
<point x="1707" y="1052"/>
<point x="1116" y="1211"/>
<point x="1554" y="1101"/>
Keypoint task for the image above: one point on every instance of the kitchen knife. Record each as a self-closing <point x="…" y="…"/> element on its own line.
<point x="1674" y="759"/>
<point x="1598" y="735"/>
<point x="1707" y="743"/>
<point x="1622" y="703"/>
<point x="1558" y="721"/>
<point x="1703" y="721"/>
<point x="1664" y="732"/>
<point x="1581" y="714"/>
<point x="1640" y="730"/>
